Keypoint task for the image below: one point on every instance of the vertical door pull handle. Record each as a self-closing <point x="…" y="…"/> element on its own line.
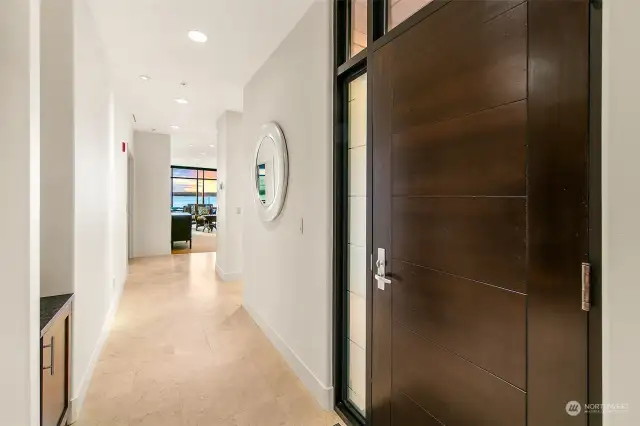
<point x="51" y="347"/>
<point x="586" y="287"/>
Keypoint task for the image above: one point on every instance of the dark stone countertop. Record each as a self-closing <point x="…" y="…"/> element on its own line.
<point x="49" y="308"/>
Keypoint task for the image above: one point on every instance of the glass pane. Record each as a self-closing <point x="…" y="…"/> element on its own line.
<point x="358" y="30"/>
<point x="200" y="174"/>
<point x="357" y="281"/>
<point x="400" y="10"/>
<point x="210" y="174"/>
<point x="210" y="192"/>
<point x="184" y="192"/>
<point x="184" y="173"/>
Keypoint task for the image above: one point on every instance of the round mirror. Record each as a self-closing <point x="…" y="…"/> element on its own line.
<point x="270" y="171"/>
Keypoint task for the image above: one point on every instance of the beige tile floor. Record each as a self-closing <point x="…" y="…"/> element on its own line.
<point x="183" y="352"/>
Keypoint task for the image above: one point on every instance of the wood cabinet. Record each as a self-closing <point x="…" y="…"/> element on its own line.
<point x="55" y="369"/>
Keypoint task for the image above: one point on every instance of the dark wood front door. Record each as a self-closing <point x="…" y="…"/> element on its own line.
<point x="480" y="199"/>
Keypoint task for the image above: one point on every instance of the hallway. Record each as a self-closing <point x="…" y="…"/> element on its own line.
<point x="183" y="352"/>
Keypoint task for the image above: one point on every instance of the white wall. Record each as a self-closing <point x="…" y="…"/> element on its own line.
<point x="92" y="192"/>
<point x="187" y="149"/>
<point x="287" y="274"/>
<point x="123" y="132"/>
<point x="208" y="162"/>
<point x="152" y="195"/>
<point x="20" y="215"/>
<point x="57" y="148"/>
<point x="230" y="169"/>
<point x="81" y="120"/>
<point x="100" y="262"/>
<point x="621" y="209"/>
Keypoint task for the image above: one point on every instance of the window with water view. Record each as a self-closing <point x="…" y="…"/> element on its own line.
<point x="193" y="186"/>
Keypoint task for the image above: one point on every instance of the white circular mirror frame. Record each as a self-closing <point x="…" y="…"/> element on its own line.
<point x="272" y="211"/>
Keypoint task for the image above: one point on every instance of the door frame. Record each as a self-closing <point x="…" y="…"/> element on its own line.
<point x="341" y="80"/>
<point x="345" y="69"/>
<point x="340" y="250"/>
<point x="594" y="321"/>
<point x="348" y="70"/>
<point x="130" y="204"/>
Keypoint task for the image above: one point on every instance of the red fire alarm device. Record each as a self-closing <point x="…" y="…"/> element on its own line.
<point x="124" y="147"/>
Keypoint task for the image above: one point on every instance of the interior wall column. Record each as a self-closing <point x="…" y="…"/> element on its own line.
<point x="20" y="211"/>
<point x="231" y="168"/>
<point x="57" y="148"/>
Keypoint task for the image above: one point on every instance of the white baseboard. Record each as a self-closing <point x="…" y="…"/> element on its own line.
<point x="322" y="393"/>
<point x="228" y="276"/>
<point x="80" y="394"/>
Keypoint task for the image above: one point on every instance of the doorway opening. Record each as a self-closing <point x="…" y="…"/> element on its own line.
<point x="194" y="207"/>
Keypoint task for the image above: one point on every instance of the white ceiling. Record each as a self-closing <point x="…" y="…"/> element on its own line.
<point x="149" y="37"/>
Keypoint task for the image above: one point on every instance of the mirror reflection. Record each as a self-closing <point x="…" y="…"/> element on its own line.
<point x="266" y="171"/>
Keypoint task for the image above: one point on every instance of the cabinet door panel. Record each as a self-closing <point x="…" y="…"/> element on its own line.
<point x="54" y="373"/>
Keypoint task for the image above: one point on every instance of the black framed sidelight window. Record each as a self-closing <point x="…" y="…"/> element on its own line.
<point x="360" y="28"/>
<point x="193" y="186"/>
<point x="352" y="277"/>
<point x="352" y="155"/>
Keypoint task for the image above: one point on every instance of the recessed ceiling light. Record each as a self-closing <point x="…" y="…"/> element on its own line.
<point x="190" y="144"/>
<point x="144" y="77"/>
<point x="181" y="100"/>
<point x="197" y="36"/>
<point x="211" y="146"/>
<point x="174" y="127"/>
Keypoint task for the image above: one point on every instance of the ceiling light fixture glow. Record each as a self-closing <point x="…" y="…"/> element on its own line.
<point x="181" y="101"/>
<point x="144" y="77"/>
<point x="198" y="37"/>
<point x="211" y="146"/>
<point x="174" y="127"/>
